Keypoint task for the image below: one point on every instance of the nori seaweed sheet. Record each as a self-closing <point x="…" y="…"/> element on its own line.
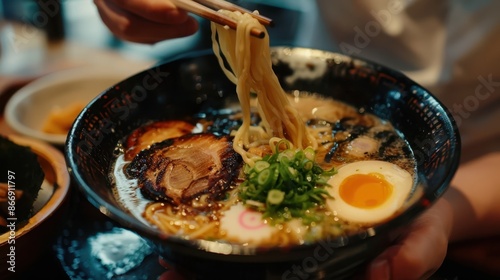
<point x="29" y="175"/>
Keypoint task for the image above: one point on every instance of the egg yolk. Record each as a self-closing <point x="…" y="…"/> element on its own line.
<point x="365" y="190"/>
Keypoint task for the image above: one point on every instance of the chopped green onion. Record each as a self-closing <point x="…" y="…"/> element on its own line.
<point x="286" y="155"/>
<point x="260" y="165"/>
<point x="286" y="184"/>
<point x="308" y="165"/>
<point x="280" y="143"/>
<point x="265" y="177"/>
<point x="275" y="196"/>
<point x="310" y="153"/>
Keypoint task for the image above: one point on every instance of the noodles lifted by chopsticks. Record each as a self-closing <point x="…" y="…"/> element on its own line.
<point x="249" y="59"/>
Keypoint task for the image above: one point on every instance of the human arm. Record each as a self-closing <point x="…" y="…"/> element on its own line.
<point x="145" y="21"/>
<point x="477" y="182"/>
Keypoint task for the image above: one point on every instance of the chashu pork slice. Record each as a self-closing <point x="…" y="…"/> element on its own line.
<point x="145" y="136"/>
<point x="177" y="170"/>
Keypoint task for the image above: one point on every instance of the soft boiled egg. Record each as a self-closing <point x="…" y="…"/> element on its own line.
<point x="369" y="191"/>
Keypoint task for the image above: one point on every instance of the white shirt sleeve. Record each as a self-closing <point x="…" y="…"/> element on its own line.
<point x="404" y="35"/>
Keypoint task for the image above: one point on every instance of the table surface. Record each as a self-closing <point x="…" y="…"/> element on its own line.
<point x="472" y="260"/>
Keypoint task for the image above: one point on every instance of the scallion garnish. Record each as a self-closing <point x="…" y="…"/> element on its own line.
<point x="286" y="184"/>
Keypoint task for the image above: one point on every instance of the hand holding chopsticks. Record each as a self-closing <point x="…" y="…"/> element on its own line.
<point x="205" y="9"/>
<point x="151" y="21"/>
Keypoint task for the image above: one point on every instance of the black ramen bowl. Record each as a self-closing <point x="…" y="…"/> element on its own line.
<point x="187" y="86"/>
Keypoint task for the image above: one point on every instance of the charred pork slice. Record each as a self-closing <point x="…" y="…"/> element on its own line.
<point x="177" y="170"/>
<point x="145" y="136"/>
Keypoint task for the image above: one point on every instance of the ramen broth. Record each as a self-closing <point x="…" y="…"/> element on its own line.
<point x="345" y="135"/>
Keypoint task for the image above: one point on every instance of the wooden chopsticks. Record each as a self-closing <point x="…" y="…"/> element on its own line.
<point x="205" y="9"/>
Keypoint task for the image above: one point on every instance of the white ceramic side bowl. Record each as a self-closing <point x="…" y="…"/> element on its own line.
<point x="19" y="249"/>
<point x="29" y="108"/>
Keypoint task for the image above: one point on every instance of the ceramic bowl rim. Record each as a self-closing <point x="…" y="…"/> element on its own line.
<point x="54" y="79"/>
